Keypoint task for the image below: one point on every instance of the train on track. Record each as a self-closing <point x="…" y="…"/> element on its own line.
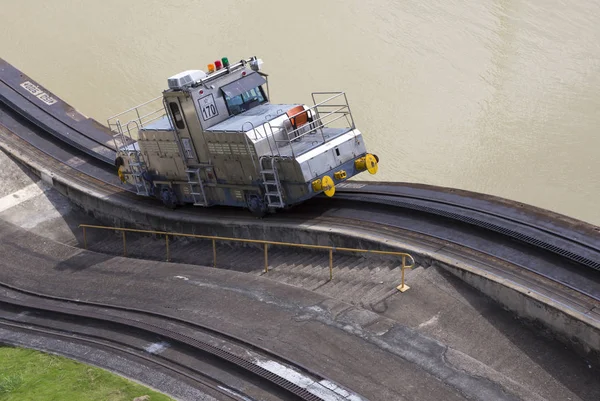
<point x="215" y="139"/>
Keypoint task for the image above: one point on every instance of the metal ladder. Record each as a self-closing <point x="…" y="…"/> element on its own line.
<point x="134" y="157"/>
<point x="138" y="168"/>
<point x="271" y="182"/>
<point x="196" y="187"/>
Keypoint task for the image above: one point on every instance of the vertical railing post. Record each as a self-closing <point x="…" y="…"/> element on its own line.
<point x="403" y="287"/>
<point x="214" y="253"/>
<point x="124" y="245"/>
<point x="266" y="258"/>
<point x="84" y="239"/>
<point x="167" y="242"/>
<point x="330" y="264"/>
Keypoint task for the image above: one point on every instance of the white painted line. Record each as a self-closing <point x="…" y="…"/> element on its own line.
<point x="22" y="195"/>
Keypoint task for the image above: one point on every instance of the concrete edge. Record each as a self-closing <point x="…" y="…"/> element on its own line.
<point x="577" y="329"/>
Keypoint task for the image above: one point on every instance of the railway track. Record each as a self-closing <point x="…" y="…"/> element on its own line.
<point x="580" y="279"/>
<point x="574" y="264"/>
<point x="584" y="253"/>
<point x="238" y="370"/>
<point x="577" y="248"/>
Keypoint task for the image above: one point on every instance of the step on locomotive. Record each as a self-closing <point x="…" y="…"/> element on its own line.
<point x="214" y="138"/>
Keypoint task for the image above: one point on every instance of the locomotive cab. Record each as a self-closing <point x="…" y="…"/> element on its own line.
<point x="220" y="141"/>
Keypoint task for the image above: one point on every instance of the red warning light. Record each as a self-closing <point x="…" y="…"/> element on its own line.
<point x="218" y="64"/>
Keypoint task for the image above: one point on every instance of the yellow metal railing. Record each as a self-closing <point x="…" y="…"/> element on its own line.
<point x="404" y="256"/>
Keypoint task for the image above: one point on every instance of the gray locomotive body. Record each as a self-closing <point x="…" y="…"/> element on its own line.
<point x="217" y="140"/>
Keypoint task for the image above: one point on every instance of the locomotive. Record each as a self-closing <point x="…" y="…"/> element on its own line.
<point x="215" y="139"/>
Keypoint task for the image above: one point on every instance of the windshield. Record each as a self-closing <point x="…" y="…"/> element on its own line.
<point x="245" y="101"/>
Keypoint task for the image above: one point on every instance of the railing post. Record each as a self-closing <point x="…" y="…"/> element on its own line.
<point x="84" y="239"/>
<point x="330" y="264"/>
<point x="403" y="287"/>
<point x="266" y="258"/>
<point x="167" y="242"/>
<point x="214" y="253"/>
<point x="124" y="245"/>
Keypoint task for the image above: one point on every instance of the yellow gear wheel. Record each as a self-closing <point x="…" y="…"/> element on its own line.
<point x="371" y="163"/>
<point x="328" y="186"/>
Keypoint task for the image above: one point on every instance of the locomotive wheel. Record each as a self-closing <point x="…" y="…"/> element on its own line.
<point x="257" y="205"/>
<point x="169" y="197"/>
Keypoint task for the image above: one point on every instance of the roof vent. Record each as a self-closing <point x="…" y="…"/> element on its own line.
<point x="183" y="79"/>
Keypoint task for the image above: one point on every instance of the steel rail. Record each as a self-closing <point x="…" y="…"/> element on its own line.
<point x="99" y="342"/>
<point x="510" y="261"/>
<point x="369" y="198"/>
<point x="372" y="197"/>
<point x="397" y="201"/>
<point x="109" y="168"/>
<point x="470" y="208"/>
<point x="222" y="354"/>
<point x="379" y="198"/>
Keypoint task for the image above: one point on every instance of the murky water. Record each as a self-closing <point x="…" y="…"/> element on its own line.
<point x="500" y="97"/>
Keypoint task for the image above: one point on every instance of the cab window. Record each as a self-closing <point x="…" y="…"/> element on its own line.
<point x="245" y="101"/>
<point x="177" y="115"/>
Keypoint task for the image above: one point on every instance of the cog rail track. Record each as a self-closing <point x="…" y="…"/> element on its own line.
<point x="537" y="236"/>
<point x="582" y="252"/>
<point x="510" y="228"/>
<point x="550" y="240"/>
<point x="131" y="318"/>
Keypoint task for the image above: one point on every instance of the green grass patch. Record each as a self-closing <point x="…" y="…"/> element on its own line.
<point x="27" y="375"/>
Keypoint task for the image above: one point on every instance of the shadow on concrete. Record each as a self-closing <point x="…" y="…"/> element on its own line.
<point x="548" y="354"/>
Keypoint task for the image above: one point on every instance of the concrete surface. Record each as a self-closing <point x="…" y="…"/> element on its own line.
<point x="574" y="320"/>
<point x="438" y="305"/>
<point x="540" y="357"/>
<point x="379" y="357"/>
<point x="28" y="202"/>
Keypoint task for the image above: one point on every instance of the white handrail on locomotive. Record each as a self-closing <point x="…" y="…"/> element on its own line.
<point x="115" y="125"/>
<point x="337" y="93"/>
<point x="316" y="125"/>
<point x="321" y="121"/>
